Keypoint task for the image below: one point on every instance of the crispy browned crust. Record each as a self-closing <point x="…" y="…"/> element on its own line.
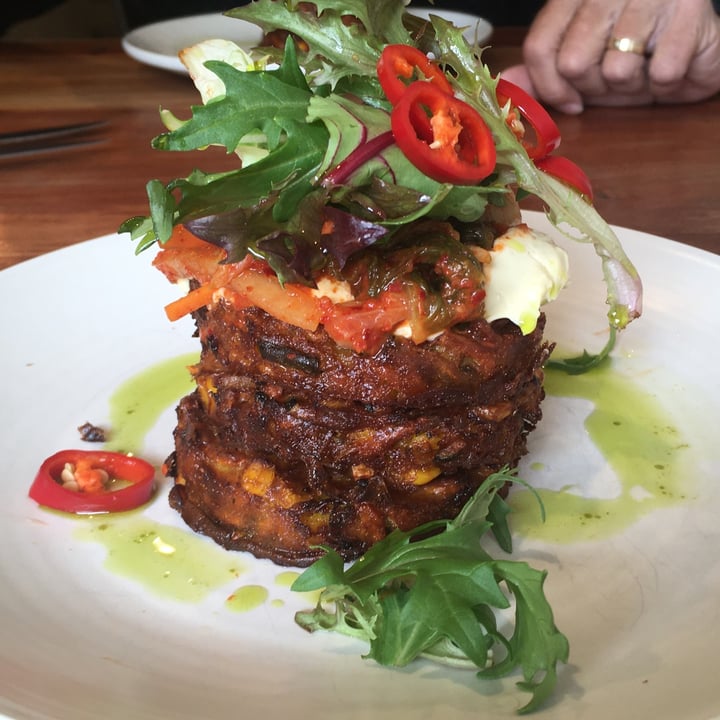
<point x="290" y="442"/>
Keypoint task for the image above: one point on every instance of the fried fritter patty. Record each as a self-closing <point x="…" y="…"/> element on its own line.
<point x="290" y="442"/>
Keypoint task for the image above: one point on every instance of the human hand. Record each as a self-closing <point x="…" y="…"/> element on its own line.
<point x="568" y="63"/>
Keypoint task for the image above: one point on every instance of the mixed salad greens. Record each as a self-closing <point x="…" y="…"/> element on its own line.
<point x="312" y="126"/>
<point x="347" y="131"/>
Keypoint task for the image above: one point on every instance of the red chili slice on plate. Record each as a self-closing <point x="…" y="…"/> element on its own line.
<point x="89" y="481"/>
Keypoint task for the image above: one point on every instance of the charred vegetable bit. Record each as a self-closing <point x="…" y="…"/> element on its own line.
<point x="433" y="593"/>
<point x="289" y="357"/>
<point x="91" y="433"/>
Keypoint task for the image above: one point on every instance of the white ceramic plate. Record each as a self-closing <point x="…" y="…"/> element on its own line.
<point x="159" y="43"/>
<point x="78" y="640"/>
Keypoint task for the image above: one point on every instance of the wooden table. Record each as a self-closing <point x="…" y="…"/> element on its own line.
<point x="654" y="169"/>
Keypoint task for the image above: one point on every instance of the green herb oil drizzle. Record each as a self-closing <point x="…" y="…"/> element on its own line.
<point x="169" y="562"/>
<point x="246" y="598"/>
<point x="138" y="403"/>
<point x="638" y="440"/>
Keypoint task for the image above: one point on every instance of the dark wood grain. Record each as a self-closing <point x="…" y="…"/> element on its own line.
<point x="654" y="169"/>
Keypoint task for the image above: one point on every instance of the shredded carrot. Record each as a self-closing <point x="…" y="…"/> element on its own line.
<point x="195" y="299"/>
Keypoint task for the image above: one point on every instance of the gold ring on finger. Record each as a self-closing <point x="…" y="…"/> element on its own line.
<point x="628" y="45"/>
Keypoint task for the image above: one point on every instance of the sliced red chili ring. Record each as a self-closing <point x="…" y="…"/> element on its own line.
<point x="546" y="132"/>
<point x="136" y="476"/>
<point x="567" y="171"/>
<point x="400" y="65"/>
<point x="461" y="150"/>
